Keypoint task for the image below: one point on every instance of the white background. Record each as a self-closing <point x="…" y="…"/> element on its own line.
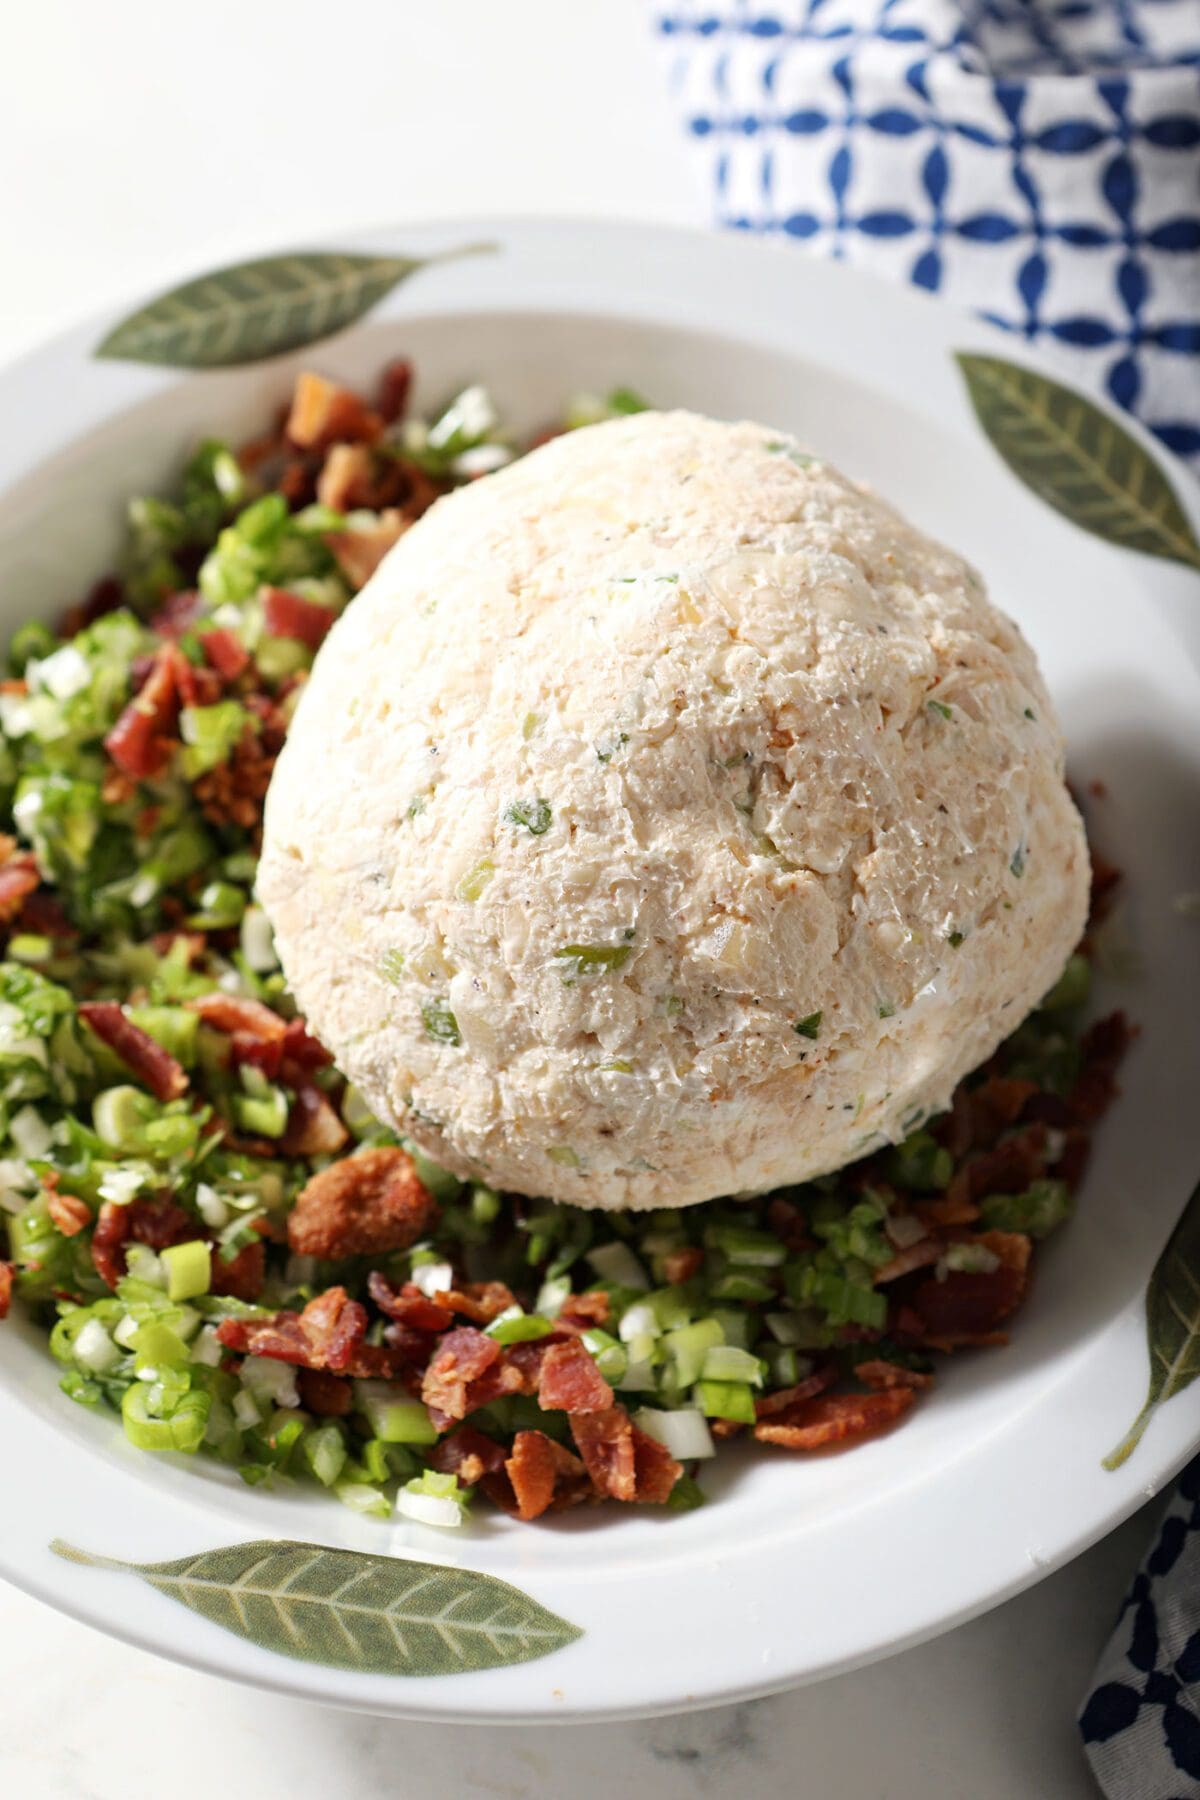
<point x="141" y="140"/>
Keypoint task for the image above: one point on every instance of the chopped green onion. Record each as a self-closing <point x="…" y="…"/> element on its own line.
<point x="726" y="1400"/>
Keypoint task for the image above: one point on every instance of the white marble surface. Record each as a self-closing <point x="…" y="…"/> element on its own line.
<point x="139" y="140"/>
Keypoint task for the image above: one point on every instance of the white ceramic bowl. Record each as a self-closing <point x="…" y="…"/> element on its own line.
<point x="799" y="1566"/>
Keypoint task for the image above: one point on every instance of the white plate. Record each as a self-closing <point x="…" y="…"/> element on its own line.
<point x="798" y="1567"/>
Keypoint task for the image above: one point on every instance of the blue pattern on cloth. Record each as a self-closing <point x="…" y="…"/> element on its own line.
<point x="1141" y="1721"/>
<point x="1036" y="160"/>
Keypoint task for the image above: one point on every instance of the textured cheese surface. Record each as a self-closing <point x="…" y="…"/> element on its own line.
<point x="629" y="760"/>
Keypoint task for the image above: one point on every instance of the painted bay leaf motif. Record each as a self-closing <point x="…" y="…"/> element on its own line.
<point x="257" y="309"/>
<point x="1172" y="1325"/>
<point x="348" y="1610"/>
<point x="1078" y="459"/>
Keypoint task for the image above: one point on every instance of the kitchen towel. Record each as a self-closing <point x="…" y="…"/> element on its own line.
<point x="1039" y="162"/>
<point x="1036" y="160"/>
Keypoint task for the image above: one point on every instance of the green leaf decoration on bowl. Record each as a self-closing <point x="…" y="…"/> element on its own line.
<point x="1172" y="1325"/>
<point x="1078" y="459"/>
<point x="347" y="1610"/>
<point x="258" y="309"/>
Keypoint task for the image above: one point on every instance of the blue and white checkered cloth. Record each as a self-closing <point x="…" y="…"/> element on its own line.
<point x="1036" y="160"/>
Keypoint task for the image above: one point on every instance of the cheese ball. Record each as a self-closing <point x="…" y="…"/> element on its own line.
<point x="668" y="818"/>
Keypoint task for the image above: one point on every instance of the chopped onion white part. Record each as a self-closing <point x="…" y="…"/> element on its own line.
<point x="482" y="459"/>
<point x="904" y="1230"/>
<point x="429" y="1509"/>
<point x="683" y="1431"/>
<point x="433" y="1278"/>
<point x="121" y="1185"/>
<point x="967" y="1259"/>
<point x="1056" y="1143"/>
<point x="30" y="1133"/>
<point x="207" y="1348"/>
<point x="212" y="1209"/>
<point x="270" y="1380"/>
<point x="16" y="716"/>
<point x="637" y="1379"/>
<point x="25" y="812"/>
<point x="126" y="1331"/>
<point x="638" y="1320"/>
<point x="258" y="942"/>
<point x="245" y="1410"/>
<point x="552" y="1296"/>
<point x="94" y="1349"/>
<point x="616" y="1262"/>
<point x="63" y="673"/>
<point x="17" y="1183"/>
<point x="144" y="890"/>
<point x="470" y="416"/>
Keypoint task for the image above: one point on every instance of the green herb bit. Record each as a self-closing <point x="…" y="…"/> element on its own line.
<point x="887" y="1010"/>
<point x="606" y="751"/>
<point x="440" y="1023"/>
<point x="921" y="1163"/>
<point x="471" y="887"/>
<point x="955" y="939"/>
<point x="535" y="816"/>
<point x="1017" y="865"/>
<point x="1038" y="1211"/>
<point x="391" y="966"/>
<point x="940" y="707"/>
<point x="593" y="959"/>
<point x="809" y="1027"/>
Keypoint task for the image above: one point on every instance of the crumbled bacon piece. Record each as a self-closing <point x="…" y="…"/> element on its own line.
<point x="42" y="915"/>
<point x="328" y="1334"/>
<point x="347" y="478"/>
<point x="655" y="1470"/>
<point x="965" y="1306"/>
<point x="364" y="1205"/>
<point x="230" y="1013"/>
<point x="7" y="1274"/>
<point x="787" y="1221"/>
<point x="157" y="1068"/>
<point x="542" y="1474"/>
<point x="408" y="1305"/>
<point x="18" y="882"/>
<point x="141" y="741"/>
<point x="880" y="1374"/>
<point x="1102" y="1049"/>
<point x="978" y="1115"/>
<point x="1106" y="877"/>
<point x="834" y="1419"/>
<point x="244" y="1276"/>
<point x="916" y="1256"/>
<point x="226" y="652"/>
<point x="161" y="1222"/>
<point x="462" y="1357"/>
<point x="69" y="1214"/>
<point x="623" y="1461"/>
<point x="569" y="1380"/>
<point x="108" y="1242"/>
<point x="322" y="413"/>
<point x="467" y="1453"/>
<point x="784" y="1398"/>
<point x="177" y="614"/>
<point x="479" y="1301"/>
<point x="291" y="616"/>
<point x="1073" y="1162"/>
<point x="301" y="1048"/>
<point x="395" y="385"/>
<point x="359" y="550"/>
<point x="329" y="1396"/>
<point x="681" y="1265"/>
<point x="605" y="1442"/>
<point x="1011" y="1166"/>
<point x="313" y="1128"/>
<point x="584" y="1311"/>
